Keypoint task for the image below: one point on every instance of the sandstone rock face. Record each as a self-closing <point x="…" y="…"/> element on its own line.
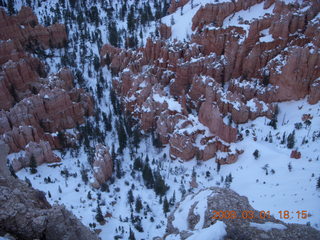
<point x="41" y="152"/>
<point x="225" y="75"/>
<point x="28" y="215"/>
<point x="165" y="31"/>
<point x="25" y="28"/>
<point x="102" y="165"/>
<point x="209" y="115"/>
<point x="223" y="199"/>
<point x="34" y="106"/>
<point x="174" y="5"/>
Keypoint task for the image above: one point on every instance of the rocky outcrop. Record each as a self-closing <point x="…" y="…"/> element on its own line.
<point x="174" y="5"/>
<point x="41" y="152"/>
<point x="34" y="106"/>
<point x="216" y="13"/>
<point x="26" y="214"/>
<point x="295" y="154"/>
<point x="194" y="220"/>
<point x="25" y="28"/>
<point x="165" y="31"/>
<point x="225" y="75"/>
<point x="102" y="165"/>
<point x="209" y="115"/>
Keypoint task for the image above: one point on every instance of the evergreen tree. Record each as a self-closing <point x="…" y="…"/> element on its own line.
<point x="137" y="164"/>
<point x="99" y="216"/>
<point x="113" y="34"/>
<point x="122" y="136"/>
<point x="131" y="235"/>
<point x="118" y="169"/>
<point x="131" y="20"/>
<point x="291" y="140"/>
<point x="138" y="206"/>
<point x="290" y="167"/>
<point x="130" y="197"/>
<point x="318" y="183"/>
<point x="256" y="154"/>
<point x="165" y="206"/>
<point x="147" y="175"/>
<point x="218" y="167"/>
<point x="89" y="195"/>
<point x="33" y="165"/>
<point x="11" y="9"/>
<point x="160" y="186"/>
<point x="173" y="198"/>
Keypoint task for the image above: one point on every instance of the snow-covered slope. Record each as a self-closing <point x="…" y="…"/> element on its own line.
<point x="273" y="181"/>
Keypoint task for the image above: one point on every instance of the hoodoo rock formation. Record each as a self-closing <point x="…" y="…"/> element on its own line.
<point x="102" y="165"/>
<point x="34" y="107"/>
<point x="231" y="71"/>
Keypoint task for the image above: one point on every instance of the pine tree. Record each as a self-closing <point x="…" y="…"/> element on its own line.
<point x="290" y="167"/>
<point x="291" y="140"/>
<point x="256" y="154"/>
<point x="166" y="206"/>
<point x="131" y="235"/>
<point x="122" y="136"/>
<point x="131" y="20"/>
<point x="49" y="194"/>
<point x="113" y="34"/>
<point x="173" y="198"/>
<point x="318" y="183"/>
<point x="130" y="197"/>
<point x="138" y="205"/>
<point x="99" y="216"/>
<point x="218" y="167"/>
<point x="89" y="195"/>
<point x="11" y="7"/>
<point x="137" y="165"/>
<point x="33" y="165"/>
<point x="147" y="176"/>
<point x="160" y="186"/>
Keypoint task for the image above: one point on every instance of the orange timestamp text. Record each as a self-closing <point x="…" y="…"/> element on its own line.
<point x="257" y="215"/>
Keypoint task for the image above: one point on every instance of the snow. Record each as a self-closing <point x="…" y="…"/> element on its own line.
<point x="252" y="105"/>
<point x="216" y="231"/>
<point x="254" y="12"/>
<point x="181" y="30"/>
<point x="279" y="191"/>
<point x="267" y="226"/>
<point x="267" y="37"/>
<point x="173" y="105"/>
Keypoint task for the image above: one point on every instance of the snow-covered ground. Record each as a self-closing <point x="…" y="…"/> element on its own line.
<point x="267" y="181"/>
<point x="274" y="182"/>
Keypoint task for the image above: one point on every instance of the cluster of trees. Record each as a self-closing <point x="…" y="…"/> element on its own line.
<point x="152" y="179"/>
